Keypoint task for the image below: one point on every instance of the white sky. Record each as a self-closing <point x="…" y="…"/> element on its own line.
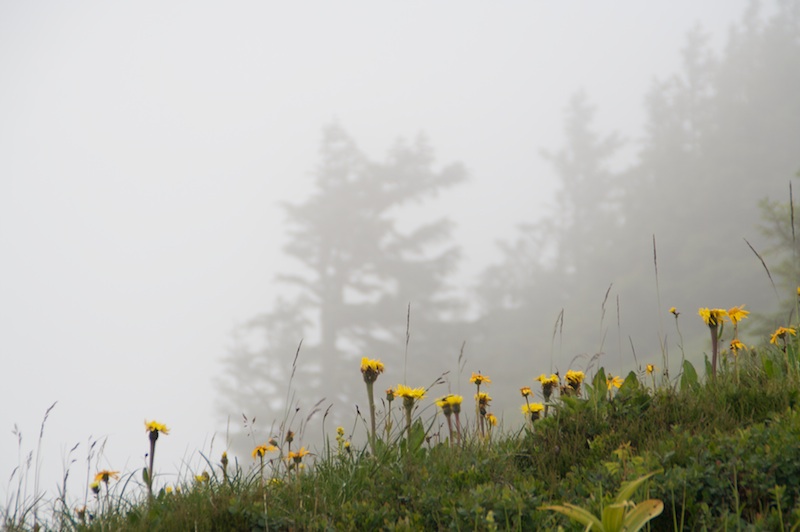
<point x="144" y="148"/>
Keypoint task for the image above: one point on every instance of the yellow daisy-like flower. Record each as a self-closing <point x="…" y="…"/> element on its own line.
<point x="574" y="377"/>
<point x="492" y="419"/>
<point x="614" y="382"/>
<point x="781" y="333"/>
<point x="155" y="426"/>
<point x="445" y="405"/>
<point x="650" y="369"/>
<point x="532" y="408"/>
<point x="713" y="316"/>
<point x="261" y="450"/>
<point x="95" y="487"/>
<point x="340" y="431"/>
<point x="479" y="379"/>
<point x="548" y="383"/>
<point x="737" y="314"/>
<point x="105" y="475"/>
<point x="205" y="477"/>
<point x="737" y="346"/>
<point x="674" y="311"/>
<point x="168" y="490"/>
<point x="454" y="400"/>
<point x="525" y="391"/>
<point x="297" y="456"/>
<point x="371" y="369"/>
<point x="552" y="379"/>
<point x="483" y="398"/>
<point x="406" y="392"/>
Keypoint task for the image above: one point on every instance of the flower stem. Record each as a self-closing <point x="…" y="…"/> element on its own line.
<point x="371" y="416"/>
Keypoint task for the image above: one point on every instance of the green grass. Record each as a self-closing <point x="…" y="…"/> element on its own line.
<point x="719" y="453"/>
<point x="726" y="452"/>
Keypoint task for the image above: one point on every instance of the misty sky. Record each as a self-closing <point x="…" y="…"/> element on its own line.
<point x="145" y="147"/>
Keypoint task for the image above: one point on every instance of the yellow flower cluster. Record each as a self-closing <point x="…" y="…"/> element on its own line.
<point x="479" y="379"/>
<point x="450" y="404"/>
<point x="780" y="333"/>
<point x="155" y="426"/>
<point x="371" y="368"/>
<point x="406" y="392"/>
<point x="297" y="457"/>
<point x="737" y="314"/>
<point x="614" y="382"/>
<point x="574" y="378"/>
<point x="713" y="316"/>
<point x="105" y="475"/>
<point x="532" y="408"/>
<point x="261" y="450"/>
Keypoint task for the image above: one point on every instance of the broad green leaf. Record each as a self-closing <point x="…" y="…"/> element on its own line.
<point x="578" y="514"/>
<point x="631" y="383"/>
<point x="627" y="489"/>
<point x="641" y="514"/>
<point x="599" y="382"/>
<point x="689" y="376"/>
<point x="613" y="516"/>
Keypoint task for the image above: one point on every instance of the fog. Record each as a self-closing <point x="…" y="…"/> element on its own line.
<point x="146" y="151"/>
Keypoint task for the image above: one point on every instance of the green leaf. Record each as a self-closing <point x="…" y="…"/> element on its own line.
<point x="599" y="382"/>
<point x="146" y="476"/>
<point x="631" y="383"/>
<point x="689" y="376"/>
<point x="769" y="368"/>
<point x="627" y="489"/>
<point x="576" y="513"/>
<point x="641" y="514"/>
<point x="614" y="515"/>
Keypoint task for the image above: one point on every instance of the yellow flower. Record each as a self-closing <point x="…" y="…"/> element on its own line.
<point x="105" y="475"/>
<point x="202" y="478"/>
<point x="297" y="456"/>
<point x="552" y="379"/>
<point x="525" y="391"/>
<point x="168" y="490"/>
<point x="406" y="392"/>
<point x="574" y="377"/>
<point x="340" y="431"/>
<point x="713" y="316"/>
<point x="737" y="314"/>
<point x="95" y="487"/>
<point x="479" y="379"/>
<point x="532" y="408"/>
<point x="614" y="382"/>
<point x="780" y="333"/>
<point x="674" y="311"/>
<point x="261" y="450"/>
<point x="155" y="426"/>
<point x="444" y="404"/>
<point x="483" y="398"/>
<point x="737" y="346"/>
<point x="454" y="400"/>
<point x="492" y="419"/>
<point x="798" y="291"/>
<point x="371" y="369"/>
<point x="389" y="395"/>
<point x="650" y="369"/>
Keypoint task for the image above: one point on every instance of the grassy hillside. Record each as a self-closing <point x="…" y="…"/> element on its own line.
<point x="723" y="452"/>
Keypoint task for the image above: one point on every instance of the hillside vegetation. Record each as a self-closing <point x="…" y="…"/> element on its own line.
<point x="721" y="452"/>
